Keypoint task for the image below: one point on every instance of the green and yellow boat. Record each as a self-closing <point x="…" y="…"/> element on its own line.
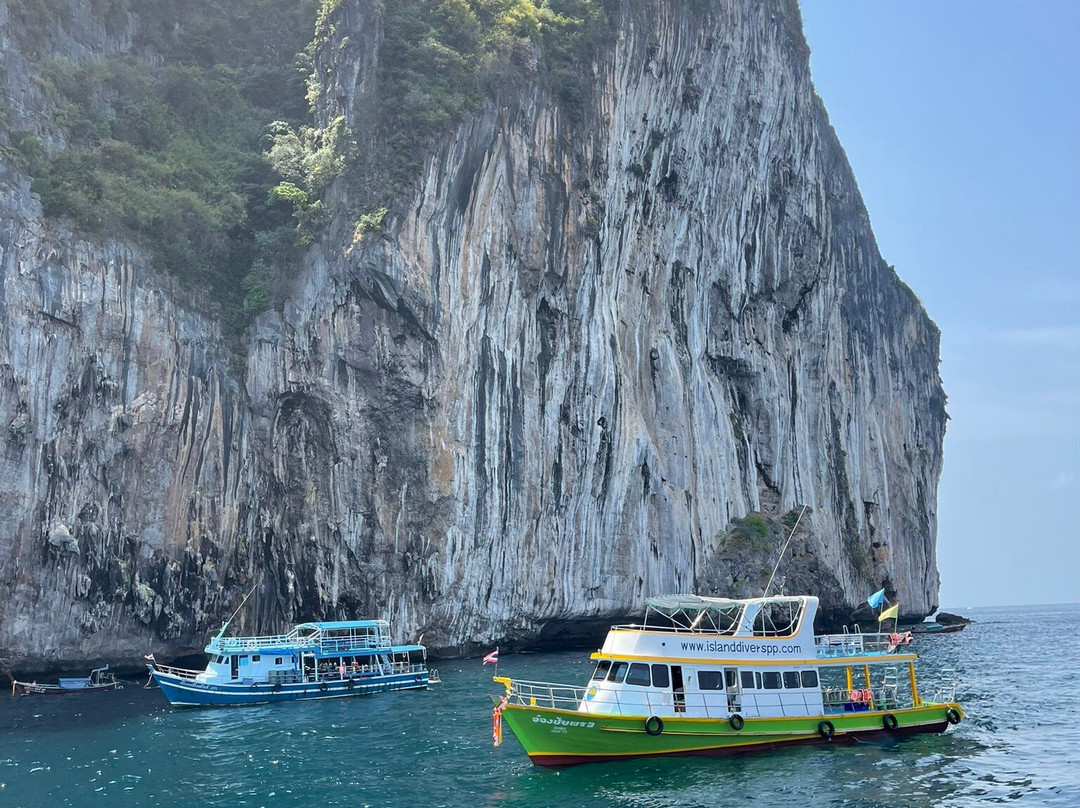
<point x="712" y="676"/>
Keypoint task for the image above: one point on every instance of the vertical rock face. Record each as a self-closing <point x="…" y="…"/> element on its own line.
<point x="584" y="349"/>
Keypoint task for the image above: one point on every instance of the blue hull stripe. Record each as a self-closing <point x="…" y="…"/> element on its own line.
<point x="186" y="693"/>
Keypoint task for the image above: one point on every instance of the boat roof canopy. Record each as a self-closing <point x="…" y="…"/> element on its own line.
<point x="688" y="603"/>
<point x="777" y="616"/>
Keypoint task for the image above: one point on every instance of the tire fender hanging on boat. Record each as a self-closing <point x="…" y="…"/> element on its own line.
<point x="736" y="721"/>
<point x="323" y="686"/>
<point x="952" y="715"/>
<point x="654" y="725"/>
<point x="889" y="721"/>
<point x="826" y="730"/>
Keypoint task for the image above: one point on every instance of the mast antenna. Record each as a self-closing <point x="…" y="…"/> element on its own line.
<point x="238" y="608"/>
<point x="783" y="550"/>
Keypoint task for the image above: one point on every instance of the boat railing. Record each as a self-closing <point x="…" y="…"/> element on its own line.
<point x="546" y="694"/>
<point x="326" y="645"/>
<point x="830" y="646"/>
<point x="945" y="691"/>
<point x="342" y="672"/>
<point x="232" y="644"/>
<point x="347" y="644"/>
<point x="182" y="673"/>
<point x="714" y="705"/>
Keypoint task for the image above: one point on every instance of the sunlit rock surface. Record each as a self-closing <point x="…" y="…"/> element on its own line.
<point x="584" y="349"/>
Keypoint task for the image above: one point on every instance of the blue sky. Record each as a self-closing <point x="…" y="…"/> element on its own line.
<point x="961" y="120"/>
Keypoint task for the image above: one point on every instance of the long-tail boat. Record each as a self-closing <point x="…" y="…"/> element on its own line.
<point x="98" y="680"/>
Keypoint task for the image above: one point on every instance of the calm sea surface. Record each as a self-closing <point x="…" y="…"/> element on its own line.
<point x="1019" y="680"/>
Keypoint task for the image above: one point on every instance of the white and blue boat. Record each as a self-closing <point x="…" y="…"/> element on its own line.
<point x="313" y="661"/>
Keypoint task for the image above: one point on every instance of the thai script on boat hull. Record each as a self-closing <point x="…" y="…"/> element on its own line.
<point x="562" y="722"/>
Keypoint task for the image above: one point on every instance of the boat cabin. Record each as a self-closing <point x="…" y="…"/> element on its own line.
<point x="714" y="657"/>
<point x="311" y="652"/>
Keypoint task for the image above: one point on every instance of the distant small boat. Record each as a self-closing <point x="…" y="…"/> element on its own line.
<point x="313" y="661"/>
<point x="99" y="679"/>
<point x="936" y="628"/>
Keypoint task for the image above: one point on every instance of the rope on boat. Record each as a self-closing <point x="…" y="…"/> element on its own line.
<point x="783" y="550"/>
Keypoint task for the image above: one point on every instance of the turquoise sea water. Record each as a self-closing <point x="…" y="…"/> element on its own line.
<point x="1019" y="680"/>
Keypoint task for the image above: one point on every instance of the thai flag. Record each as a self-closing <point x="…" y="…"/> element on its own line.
<point x="492" y="657"/>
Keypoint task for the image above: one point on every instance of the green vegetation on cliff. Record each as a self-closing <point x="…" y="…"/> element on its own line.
<point x="441" y="57"/>
<point x="199" y="144"/>
<point x="169" y="155"/>
<point x="439" y="60"/>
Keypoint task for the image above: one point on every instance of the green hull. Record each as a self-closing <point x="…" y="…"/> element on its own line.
<point x="554" y="737"/>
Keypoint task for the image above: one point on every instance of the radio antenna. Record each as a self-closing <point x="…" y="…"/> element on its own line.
<point x="238" y="608"/>
<point x="783" y="550"/>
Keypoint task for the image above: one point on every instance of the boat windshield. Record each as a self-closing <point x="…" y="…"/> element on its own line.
<point x="778" y="618"/>
<point x="602" y="668"/>
<point x="696" y="614"/>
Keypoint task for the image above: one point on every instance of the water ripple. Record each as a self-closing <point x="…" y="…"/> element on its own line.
<point x="433" y="748"/>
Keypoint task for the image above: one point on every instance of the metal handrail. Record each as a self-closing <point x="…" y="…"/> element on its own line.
<point x="292" y="640"/>
<point x="723" y="703"/>
<point x="254" y="643"/>
<point x="331" y="675"/>
<point x="844" y="645"/>
<point x="182" y="673"/>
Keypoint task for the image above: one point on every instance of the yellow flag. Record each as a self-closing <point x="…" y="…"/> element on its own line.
<point x="890" y="612"/>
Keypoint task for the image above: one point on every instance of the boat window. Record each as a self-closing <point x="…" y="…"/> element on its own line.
<point x="660" y="676"/>
<point x="771" y="680"/>
<point x="710" y="680"/>
<point x="256" y="657"/>
<point x="791" y="679"/>
<point x="747" y="679"/>
<point x="602" y="668"/>
<point x="243" y="660"/>
<point x="618" y="671"/>
<point x="730" y="677"/>
<point x="809" y="679"/>
<point x="757" y="680"/>
<point x="638" y="674"/>
<point x="277" y="660"/>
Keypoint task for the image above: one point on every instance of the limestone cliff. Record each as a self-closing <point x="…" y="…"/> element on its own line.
<point x="584" y="350"/>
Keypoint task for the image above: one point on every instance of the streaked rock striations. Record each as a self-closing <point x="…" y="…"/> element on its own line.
<point x="583" y="350"/>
